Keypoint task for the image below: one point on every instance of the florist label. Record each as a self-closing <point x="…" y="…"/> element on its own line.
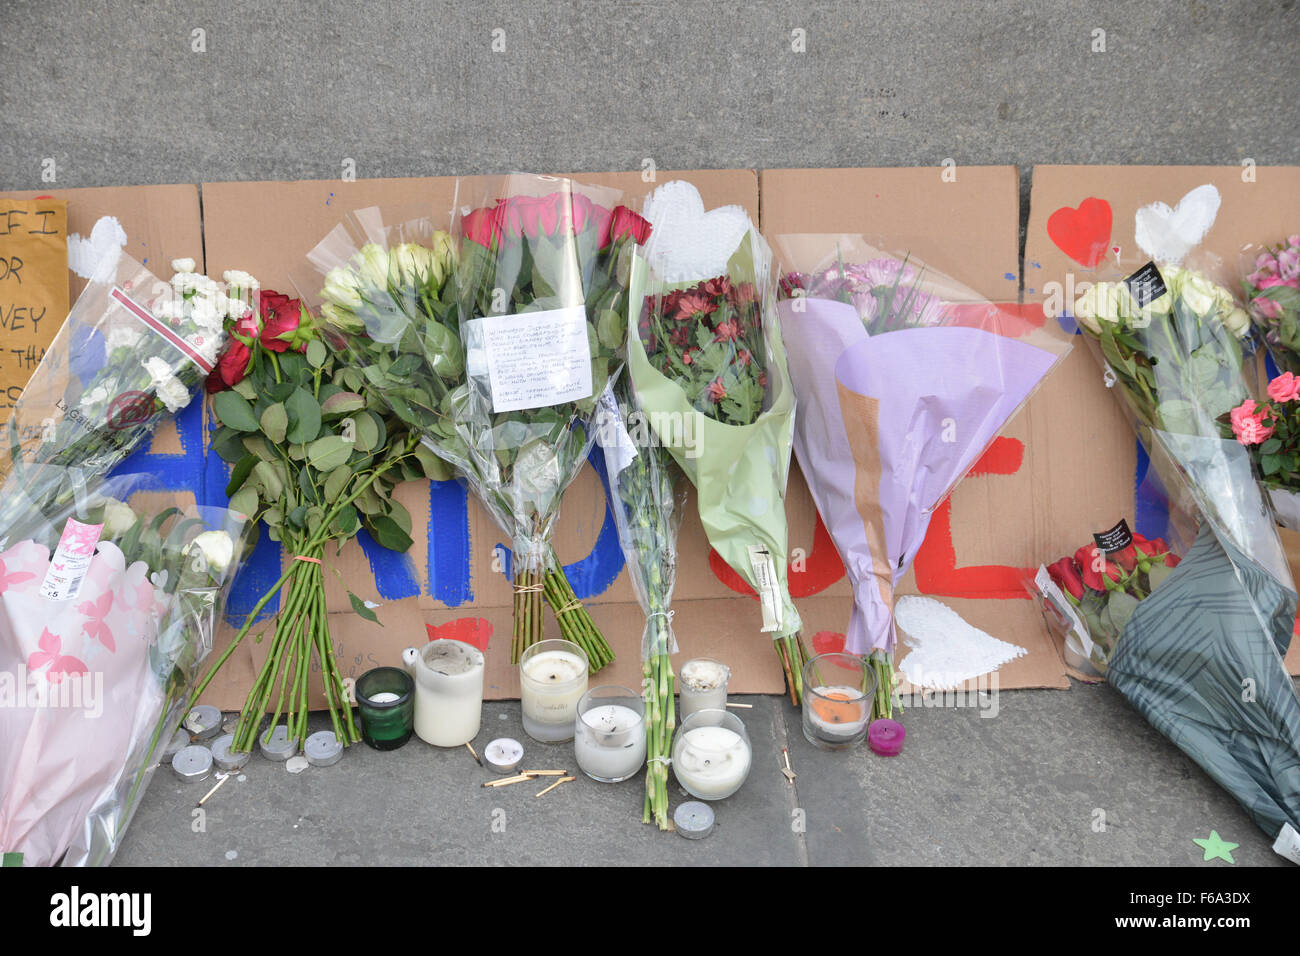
<point x="70" y="561"/>
<point x="33" y="288"/>
<point x="535" y="359"/>
<point x="766" y="584"/>
<point x="1116" y="539"/>
<point x="1146" y="285"/>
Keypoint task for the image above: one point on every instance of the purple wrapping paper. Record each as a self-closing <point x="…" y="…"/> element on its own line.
<point x="886" y="426"/>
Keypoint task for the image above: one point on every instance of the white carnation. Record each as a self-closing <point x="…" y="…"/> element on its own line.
<point x="174" y="394"/>
<point x="239" y="279"/>
<point x="169" y="309"/>
<point x="123" y="337"/>
<point x="183" y="265"/>
<point x="183" y="282"/>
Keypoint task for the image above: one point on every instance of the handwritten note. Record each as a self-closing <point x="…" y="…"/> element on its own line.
<point x="33" y="288"/>
<point x="536" y="359"/>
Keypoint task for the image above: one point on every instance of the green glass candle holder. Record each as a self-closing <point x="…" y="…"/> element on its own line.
<point x="386" y="701"/>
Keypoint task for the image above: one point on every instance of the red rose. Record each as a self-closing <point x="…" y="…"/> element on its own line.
<point x="1067" y="576"/>
<point x="281" y="317"/>
<point x="1095" y="569"/>
<point x="481" y="226"/>
<point x="624" y="222"/>
<point x="585" y="211"/>
<point x="510" y="216"/>
<point x="1171" y="560"/>
<point x="231" y="368"/>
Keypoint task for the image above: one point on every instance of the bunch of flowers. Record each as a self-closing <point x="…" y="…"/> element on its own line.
<point x="1272" y="291"/>
<point x="1270" y="430"/>
<point x="887" y="292"/>
<point x="316" y="455"/>
<point x="512" y="423"/>
<point x="133" y="350"/>
<point x="1104" y="588"/>
<point x="709" y="338"/>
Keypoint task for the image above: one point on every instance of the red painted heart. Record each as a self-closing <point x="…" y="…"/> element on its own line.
<point x="827" y="642"/>
<point x="1084" y="233"/>
<point x="476" y="631"/>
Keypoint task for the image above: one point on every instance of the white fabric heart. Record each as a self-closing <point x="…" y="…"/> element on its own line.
<point x="688" y="243"/>
<point x="1167" y="235"/>
<point x="96" y="258"/>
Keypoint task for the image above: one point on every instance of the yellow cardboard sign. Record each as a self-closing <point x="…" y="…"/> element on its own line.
<point x="33" y="288"/>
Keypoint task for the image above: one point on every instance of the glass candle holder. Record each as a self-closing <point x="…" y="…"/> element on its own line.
<point x="448" y="691"/>
<point x="386" y="703"/>
<point x="552" y="680"/>
<point x="711" y="754"/>
<point x="609" y="733"/>
<point x="837" y="693"/>
<point x="703" y="686"/>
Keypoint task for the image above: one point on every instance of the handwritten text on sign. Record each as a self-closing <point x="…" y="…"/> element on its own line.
<point x="33" y="288"/>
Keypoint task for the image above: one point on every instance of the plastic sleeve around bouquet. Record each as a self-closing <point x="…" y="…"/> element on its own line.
<point x="101" y="659"/>
<point x="647" y="507"/>
<point x="1201" y="657"/>
<point x="709" y="369"/>
<point x="903" y="377"/>
<point x="132" y="351"/>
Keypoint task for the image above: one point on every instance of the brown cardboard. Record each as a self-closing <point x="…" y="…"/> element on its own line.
<point x="33" y="288"/>
<point x="961" y="221"/>
<point x="1091" y="445"/>
<point x="267" y="229"/>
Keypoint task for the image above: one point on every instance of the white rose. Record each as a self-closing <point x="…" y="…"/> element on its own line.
<point x="183" y="265"/>
<point x="217" y="549"/>
<point x="1085" y="310"/>
<point x="372" y="263"/>
<point x="1108" y="302"/>
<point x="1237" y="321"/>
<point x="341" y="289"/>
<point x="118" y="518"/>
<point x="1196" y="292"/>
<point x="415" y="261"/>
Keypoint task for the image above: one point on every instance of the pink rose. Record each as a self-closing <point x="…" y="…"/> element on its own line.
<point x="1274" y="281"/>
<point x="1266" y="307"/>
<point x="1248" y="423"/>
<point x="1288" y="263"/>
<point x="1284" y="388"/>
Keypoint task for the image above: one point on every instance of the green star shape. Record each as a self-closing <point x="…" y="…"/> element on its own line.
<point x="1217" y="847"/>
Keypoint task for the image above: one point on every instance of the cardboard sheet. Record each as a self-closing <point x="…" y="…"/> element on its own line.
<point x="33" y="288"/>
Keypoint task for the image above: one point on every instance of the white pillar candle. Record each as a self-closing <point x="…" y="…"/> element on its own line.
<point x="448" y="691"/>
<point x="703" y="684"/>
<point x="551" y="682"/>
<point x="711" y="762"/>
<point x="610" y="742"/>
<point x="837" y="712"/>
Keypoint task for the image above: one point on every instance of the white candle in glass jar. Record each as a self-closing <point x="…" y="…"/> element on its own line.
<point x="837" y="711"/>
<point x="551" y="682"/>
<point x="711" y="762"/>
<point x="610" y="742"/>
<point x="448" y="691"/>
<point x="703" y="685"/>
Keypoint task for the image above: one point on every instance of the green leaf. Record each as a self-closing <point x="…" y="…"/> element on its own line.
<point x="386" y="531"/>
<point x="342" y="403"/>
<point x="611" y="329"/>
<point x="274" y="422"/>
<point x="242" y="469"/>
<point x="328" y="453"/>
<point x="359" y="606"/>
<point x="245" y="501"/>
<point x="234" y="411"/>
<point x="267" y="477"/>
<point x="316" y="353"/>
<point x="336" y="483"/>
<point x="1270" y="447"/>
<point x="304" y="417"/>
<point x="367" y="432"/>
<point x="346" y="522"/>
<point x="229" y="445"/>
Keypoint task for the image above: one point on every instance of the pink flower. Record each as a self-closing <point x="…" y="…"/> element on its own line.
<point x="1272" y="282"/>
<point x="1288" y="263"/>
<point x="1266" y="307"/>
<point x="1284" y="388"/>
<point x="1248" y="423"/>
<point x="716" y="391"/>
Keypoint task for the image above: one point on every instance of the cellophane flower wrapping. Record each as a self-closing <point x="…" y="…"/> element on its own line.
<point x="1201" y="656"/>
<point x="1270" y="287"/>
<point x="709" y="369"/>
<point x="107" y="610"/>
<point x="903" y="377"/>
<point x="133" y="351"/>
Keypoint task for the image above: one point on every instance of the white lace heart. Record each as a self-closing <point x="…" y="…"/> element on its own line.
<point x="688" y="243"/>
<point x="96" y="257"/>
<point x="1167" y="235"/>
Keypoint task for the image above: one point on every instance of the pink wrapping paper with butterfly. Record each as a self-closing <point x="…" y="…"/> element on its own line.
<point x="104" y="618"/>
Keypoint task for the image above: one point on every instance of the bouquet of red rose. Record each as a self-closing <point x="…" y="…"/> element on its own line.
<point x="1094" y="592"/>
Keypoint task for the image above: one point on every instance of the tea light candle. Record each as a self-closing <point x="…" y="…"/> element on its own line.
<point x="448" y="691"/>
<point x="838" y="711"/>
<point x="552" y="679"/>
<point x="385" y="697"/>
<point x="703" y="685"/>
<point x="504" y="754"/>
<point x="609" y="743"/>
<point x="711" y="757"/>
